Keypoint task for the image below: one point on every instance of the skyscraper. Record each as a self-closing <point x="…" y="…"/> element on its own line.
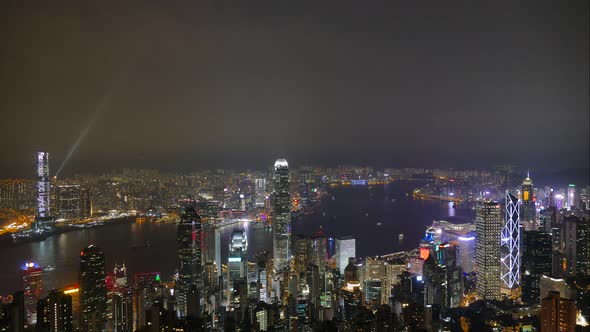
<point x="32" y="275"/>
<point x="93" y="294"/>
<point x="571" y="195"/>
<point x="536" y="261"/>
<point x="510" y="249"/>
<point x="259" y="189"/>
<point x="68" y="201"/>
<point x="43" y="220"/>
<point x="281" y="226"/>
<point x="345" y="247"/>
<point x="189" y="257"/>
<point x="54" y="313"/>
<point x="577" y="247"/>
<point x="527" y="217"/>
<point x="557" y="313"/>
<point x="43" y="185"/>
<point x="488" y="228"/>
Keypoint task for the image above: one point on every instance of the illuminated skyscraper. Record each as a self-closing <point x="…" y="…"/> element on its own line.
<point x="345" y="247"/>
<point x="571" y="195"/>
<point x="85" y="203"/>
<point x="236" y="265"/>
<point x="43" y="221"/>
<point x="43" y="185"/>
<point x="54" y="313"/>
<point x="189" y="256"/>
<point x="510" y="250"/>
<point x="488" y="228"/>
<point x="93" y="293"/>
<point x="259" y="189"/>
<point x="68" y="201"/>
<point x="281" y="225"/>
<point x="527" y="217"/>
<point x="33" y="286"/>
<point x="577" y="245"/>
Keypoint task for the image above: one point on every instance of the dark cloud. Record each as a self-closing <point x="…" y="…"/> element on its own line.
<point x="201" y="84"/>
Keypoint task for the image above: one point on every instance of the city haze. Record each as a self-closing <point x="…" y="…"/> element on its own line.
<point x="202" y="85"/>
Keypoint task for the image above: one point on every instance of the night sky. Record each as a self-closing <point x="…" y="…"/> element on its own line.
<point x="184" y="85"/>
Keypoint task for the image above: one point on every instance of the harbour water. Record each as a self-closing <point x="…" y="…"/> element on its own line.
<point x="375" y="216"/>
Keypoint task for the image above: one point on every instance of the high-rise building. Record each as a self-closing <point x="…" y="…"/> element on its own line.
<point x="120" y="298"/>
<point x="260" y="191"/>
<point x="557" y="314"/>
<point x="527" y="217"/>
<point x="54" y="313"/>
<point x="548" y="218"/>
<point x="12" y="313"/>
<point x="536" y="262"/>
<point x="43" y="185"/>
<point x="237" y="261"/>
<point x="510" y="244"/>
<point x="301" y="252"/>
<point x="74" y="292"/>
<point x="571" y="196"/>
<point x="43" y="221"/>
<point x="147" y="288"/>
<point x="85" y="203"/>
<point x="32" y="276"/>
<point x="93" y="295"/>
<point x="281" y="226"/>
<point x="345" y="247"/>
<point x="68" y="201"/>
<point x="212" y="246"/>
<point x="577" y="248"/>
<point x="488" y="228"/>
<point x="189" y="256"/>
<point x="318" y="253"/>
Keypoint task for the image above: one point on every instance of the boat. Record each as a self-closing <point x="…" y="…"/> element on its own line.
<point x="400" y="236"/>
<point x="49" y="268"/>
<point x="379" y="223"/>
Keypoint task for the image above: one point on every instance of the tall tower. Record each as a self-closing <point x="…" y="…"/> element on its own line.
<point x="33" y="285"/>
<point x="510" y="249"/>
<point x="93" y="295"/>
<point x="527" y="217"/>
<point x="536" y="261"/>
<point x="260" y="188"/>
<point x="189" y="257"/>
<point x="281" y="226"/>
<point x="43" y="185"/>
<point x="488" y="227"/>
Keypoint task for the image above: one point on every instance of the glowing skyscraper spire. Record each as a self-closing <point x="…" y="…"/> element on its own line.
<point x="510" y="243"/>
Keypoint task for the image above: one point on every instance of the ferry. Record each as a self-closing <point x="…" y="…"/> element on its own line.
<point x="49" y="268"/>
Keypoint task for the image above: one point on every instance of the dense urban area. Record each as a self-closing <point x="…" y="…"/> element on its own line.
<point x="522" y="258"/>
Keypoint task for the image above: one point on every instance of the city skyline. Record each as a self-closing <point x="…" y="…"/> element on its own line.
<point x="249" y="85"/>
<point x="305" y="166"/>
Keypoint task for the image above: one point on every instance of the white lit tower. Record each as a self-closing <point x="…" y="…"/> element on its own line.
<point x="281" y="226"/>
<point x="43" y="185"/>
<point x="510" y="244"/>
<point x="44" y="221"/>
